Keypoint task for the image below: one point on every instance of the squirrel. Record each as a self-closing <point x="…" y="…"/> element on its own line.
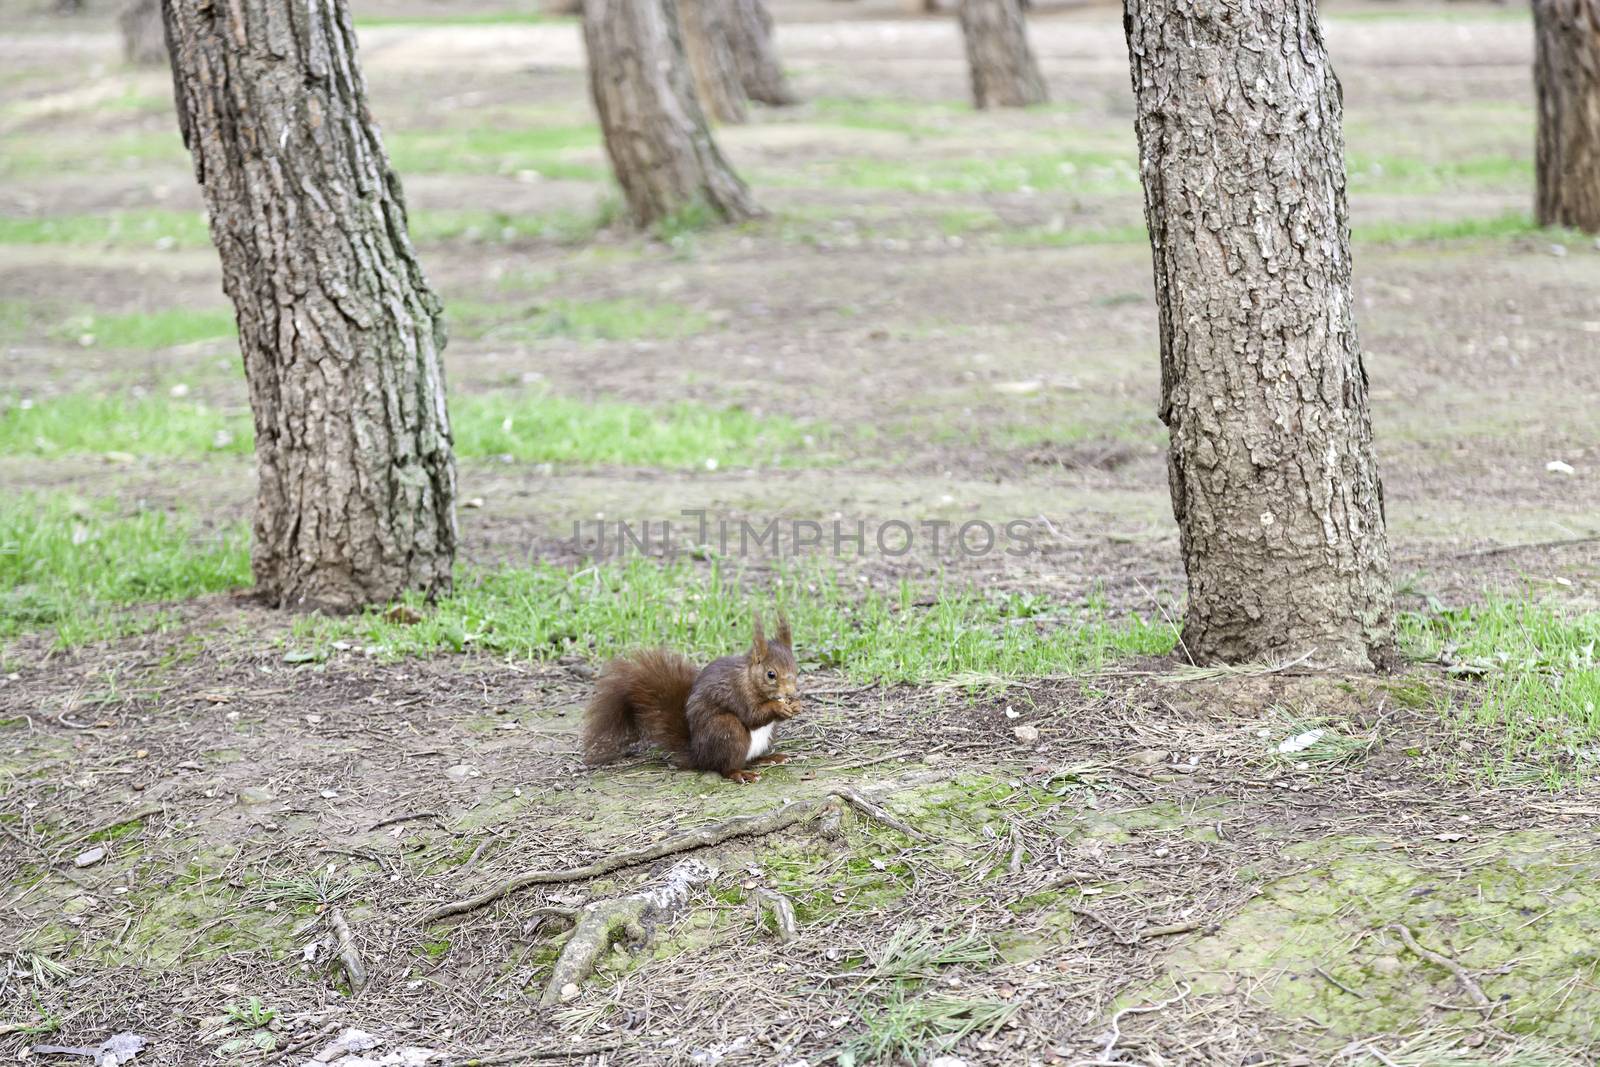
<point x="717" y="719"/>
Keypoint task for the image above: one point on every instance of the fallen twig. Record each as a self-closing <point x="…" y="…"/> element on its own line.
<point x="402" y="818"/>
<point x="1107" y="925"/>
<point x="1170" y="929"/>
<point x="604" y="921"/>
<point x="1481" y="1002"/>
<point x="347" y="951"/>
<point x="591" y="1049"/>
<point x="1116" y="1027"/>
<point x="136" y="815"/>
<point x="1331" y="980"/>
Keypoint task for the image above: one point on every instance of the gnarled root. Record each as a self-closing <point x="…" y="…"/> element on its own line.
<point x="603" y="922"/>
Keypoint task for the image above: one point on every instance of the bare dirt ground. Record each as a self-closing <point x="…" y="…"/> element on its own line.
<point x="1119" y="868"/>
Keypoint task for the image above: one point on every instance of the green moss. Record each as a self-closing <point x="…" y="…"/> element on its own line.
<point x="1521" y="912"/>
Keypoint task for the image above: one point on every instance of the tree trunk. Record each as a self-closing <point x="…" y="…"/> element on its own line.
<point x="1004" y="72"/>
<point x="1567" y="77"/>
<point x="655" y="131"/>
<point x="144" y="38"/>
<point x="341" y="335"/>
<point x="757" y="57"/>
<point x="1273" y="480"/>
<point x="708" y="44"/>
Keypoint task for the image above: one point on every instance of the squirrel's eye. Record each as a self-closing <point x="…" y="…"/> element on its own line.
<point x="772" y="674"/>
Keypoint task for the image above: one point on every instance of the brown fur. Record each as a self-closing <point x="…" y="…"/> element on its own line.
<point x="703" y="720"/>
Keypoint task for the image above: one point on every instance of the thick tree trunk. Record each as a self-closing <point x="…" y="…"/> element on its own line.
<point x="144" y="38"/>
<point x="1271" y="469"/>
<point x="708" y="45"/>
<point x="340" y="333"/>
<point x="762" y="75"/>
<point x="1567" y="77"/>
<point x="1004" y="72"/>
<point x="655" y="131"/>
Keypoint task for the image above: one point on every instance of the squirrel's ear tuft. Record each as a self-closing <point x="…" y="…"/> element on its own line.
<point x="784" y="637"/>
<point x="760" y="643"/>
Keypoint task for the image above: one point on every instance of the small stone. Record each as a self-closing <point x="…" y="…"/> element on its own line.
<point x="1026" y="734"/>
<point x="570" y="991"/>
<point x="1149" y="757"/>
<point x="1386" y="966"/>
<point x="89" y="857"/>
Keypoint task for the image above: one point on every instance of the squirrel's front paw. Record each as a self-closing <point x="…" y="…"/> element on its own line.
<point x="742" y="777"/>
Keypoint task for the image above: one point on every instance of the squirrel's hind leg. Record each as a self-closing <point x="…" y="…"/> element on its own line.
<point x="770" y="757"/>
<point x="742" y="777"/>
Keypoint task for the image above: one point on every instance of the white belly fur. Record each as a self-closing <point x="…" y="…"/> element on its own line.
<point x="760" y="742"/>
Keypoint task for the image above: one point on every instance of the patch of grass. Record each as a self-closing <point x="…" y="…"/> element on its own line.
<point x="1540" y="695"/>
<point x="180" y="229"/>
<point x="909" y="635"/>
<point x="71" y="568"/>
<point x="36" y="153"/>
<point x="902" y="1023"/>
<point x="120" y="425"/>
<point x="251" y="1013"/>
<point x="1067" y="237"/>
<point x="1080" y="171"/>
<point x="563" y="227"/>
<point x="542" y="427"/>
<point x="1510" y="224"/>
<point x="531" y="425"/>
<point x="584" y="320"/>
<point x="164" y="328"/>
<point x="510" y="149"/>
<point x="1403" y="174"/>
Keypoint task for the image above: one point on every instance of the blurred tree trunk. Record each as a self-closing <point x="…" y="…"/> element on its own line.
<point x="708" y="44"/>
<point x="1567" y="78"/>
<point x="655" y="132"/>
<point x="1004" y="72"/>
<point x="341" y="335"/>
<point x="759" y="70"/>
<point x="144" y="39"/>
<point x="1270" y="463"/>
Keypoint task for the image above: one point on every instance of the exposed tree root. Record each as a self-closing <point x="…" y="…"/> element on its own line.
<point x="700" y="837"/>
<point x="605" y="921"/>
<point x="1479" y="1000"/>
<point x="782" y="913"/>
<point x="348" y="956"/>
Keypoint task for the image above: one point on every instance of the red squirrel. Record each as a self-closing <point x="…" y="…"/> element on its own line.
<point x="718" y="719"/>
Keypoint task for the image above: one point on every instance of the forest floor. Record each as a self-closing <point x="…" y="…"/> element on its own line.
<point x="1075" y="849"/>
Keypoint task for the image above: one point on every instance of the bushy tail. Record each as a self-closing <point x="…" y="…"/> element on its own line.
<point x="641" y="695"/>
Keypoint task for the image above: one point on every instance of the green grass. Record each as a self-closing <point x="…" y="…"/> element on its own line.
<point x="509" y="149"/>
<point x="530" y="425"/>
<point x="89" y="424"/>
<point x="72" y="568"/>
<point x="184" y="229"/>
<point x="1540" y="694"/>
<point x="1076" y="171"/>
<point x="39" y="153"/>
<point x="545" y="612"/>
<point x="583" y="320"/>
<point x="1404" y="174"/>
<point x="163" y="328"/>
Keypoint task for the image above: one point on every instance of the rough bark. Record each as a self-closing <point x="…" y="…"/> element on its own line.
<point x="750" y="25"/>
<point x="655" y="131"/>
<point x="1567" y="79"/>
<point x="1264" y="394"/>
<point x="144" y="38"/>
<point x="708" y="45"/>
<point x="1004" y="72"/>
<point x="340" y="333"/>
